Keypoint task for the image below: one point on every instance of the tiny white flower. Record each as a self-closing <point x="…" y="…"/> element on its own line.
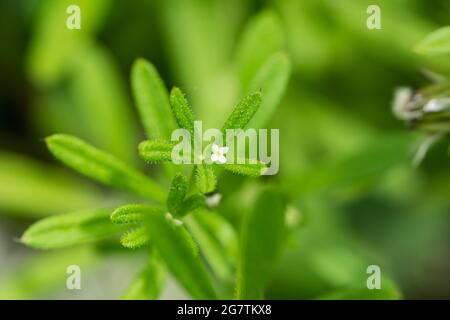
<point x="218" y="154"/>
<point x="214" y="200"/>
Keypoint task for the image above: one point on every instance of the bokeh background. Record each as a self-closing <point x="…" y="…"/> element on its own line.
<point x="355" y="197"/>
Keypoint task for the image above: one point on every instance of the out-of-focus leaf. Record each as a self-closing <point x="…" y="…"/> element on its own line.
<point x="216" y="239"/>
<point x="99" y="98"/>
<point x="155" y="151"/>
<point x="102" y="167"/>
<point x="243" y="112"/>
<point x="70" y="229"/>
<point x="176" y="246"/>
<point x="272" y="79"/>
<point x="152" y="100"/>
<point x="54" y="47"/>
<point x="23" y="283"/>
<point x="388" y="291"/>
<point x="436" y="43"/>
<point x="182" y="110"/>
<point x="36" y="190"/>
<point x="149" y="283"/>
<point x="205" y="179"/>
<point x="263" y="231"/>
<point x="262" y="37"/>
<point x="359" y="167"/>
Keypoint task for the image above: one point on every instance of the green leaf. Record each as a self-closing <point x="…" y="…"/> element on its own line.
<point x="47" y="189"/>
<point x="177" y="193"/>
<point x="97" y="91"/>
<point x="156" y="151"/>
<point x="102" y="166"/>
<point x="262" y="37"/>
<point x="253" y="170"/>
<point x="205" y="179"/>
<point x="152" y="100"/>
<point x="70" y="229"/>
<point x="263" y="231"/>
<point x="176" y="246"/>
<point x="129" y="215"/>
<point x="22" y="282"/>
<point x="52" y="48"/>
<point x="190" y="204"/>
<point x="436" y="43"/>
<point x="149" y="283"/>
<point x="135" y="238"/>
<point x="243" y="112"/>
<point x="217" y="240"/>
<point x="272" y="79"/>
<point x="181" y="110"/>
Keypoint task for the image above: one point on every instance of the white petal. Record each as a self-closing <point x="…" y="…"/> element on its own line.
<point x="214" y="157"/>
<point x="215" y="148"/>
<point x="224" y="150"/>
<point x="222" y="159"/>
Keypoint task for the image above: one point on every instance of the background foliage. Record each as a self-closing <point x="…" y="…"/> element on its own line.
<point x="353" y="197"/>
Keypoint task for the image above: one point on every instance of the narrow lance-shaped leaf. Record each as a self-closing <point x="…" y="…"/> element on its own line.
<point x="178" y="250"/>
<point x="177" y="193"/>
<point x="262" y="236"/>
<point x="272" y="79"/>
<point x="190" y="204"/>
<point x="102" y="166"/>
<point x="129" y="215"/>
<point x="205" y="179"/>
<point x="243" y="112"/>
<point x="216" y="239"/>
<point x="152" y="100"/>
<point x="247" y="169"/>
<point x="181" y="110"/>
<point x="70" y="229"/>
<point x="47" y="189"/>
<point x="262" y="37"/>
<point x="156" y="151"/>
<point x="135" y="238"/>
<point x="436" y="43"/>
<point x="149" y="283"/>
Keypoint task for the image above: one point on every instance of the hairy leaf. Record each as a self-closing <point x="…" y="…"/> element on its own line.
<point x="135" y="238"/>
<point x="152" y="100"/>
<point x="253" y="170"/>
<point x="177" y="248"/>
<point x="243" y="112"/>
<point x="205" y="179"/>
<point x="177" y="193"/>
<point x="191" y="203"/>
<point x="102" y="166"/>
<point x="70" y="229"/>
<point x="156" y="150"/>
<point x="129" y="214"/>
<point x="181" y="110"/>
<point x="262" y="236"/>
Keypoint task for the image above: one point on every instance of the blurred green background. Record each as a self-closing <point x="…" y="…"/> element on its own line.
<point x="345" y="160"/>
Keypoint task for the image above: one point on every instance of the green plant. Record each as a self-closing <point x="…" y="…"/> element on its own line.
<point x="172" y="225"/>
